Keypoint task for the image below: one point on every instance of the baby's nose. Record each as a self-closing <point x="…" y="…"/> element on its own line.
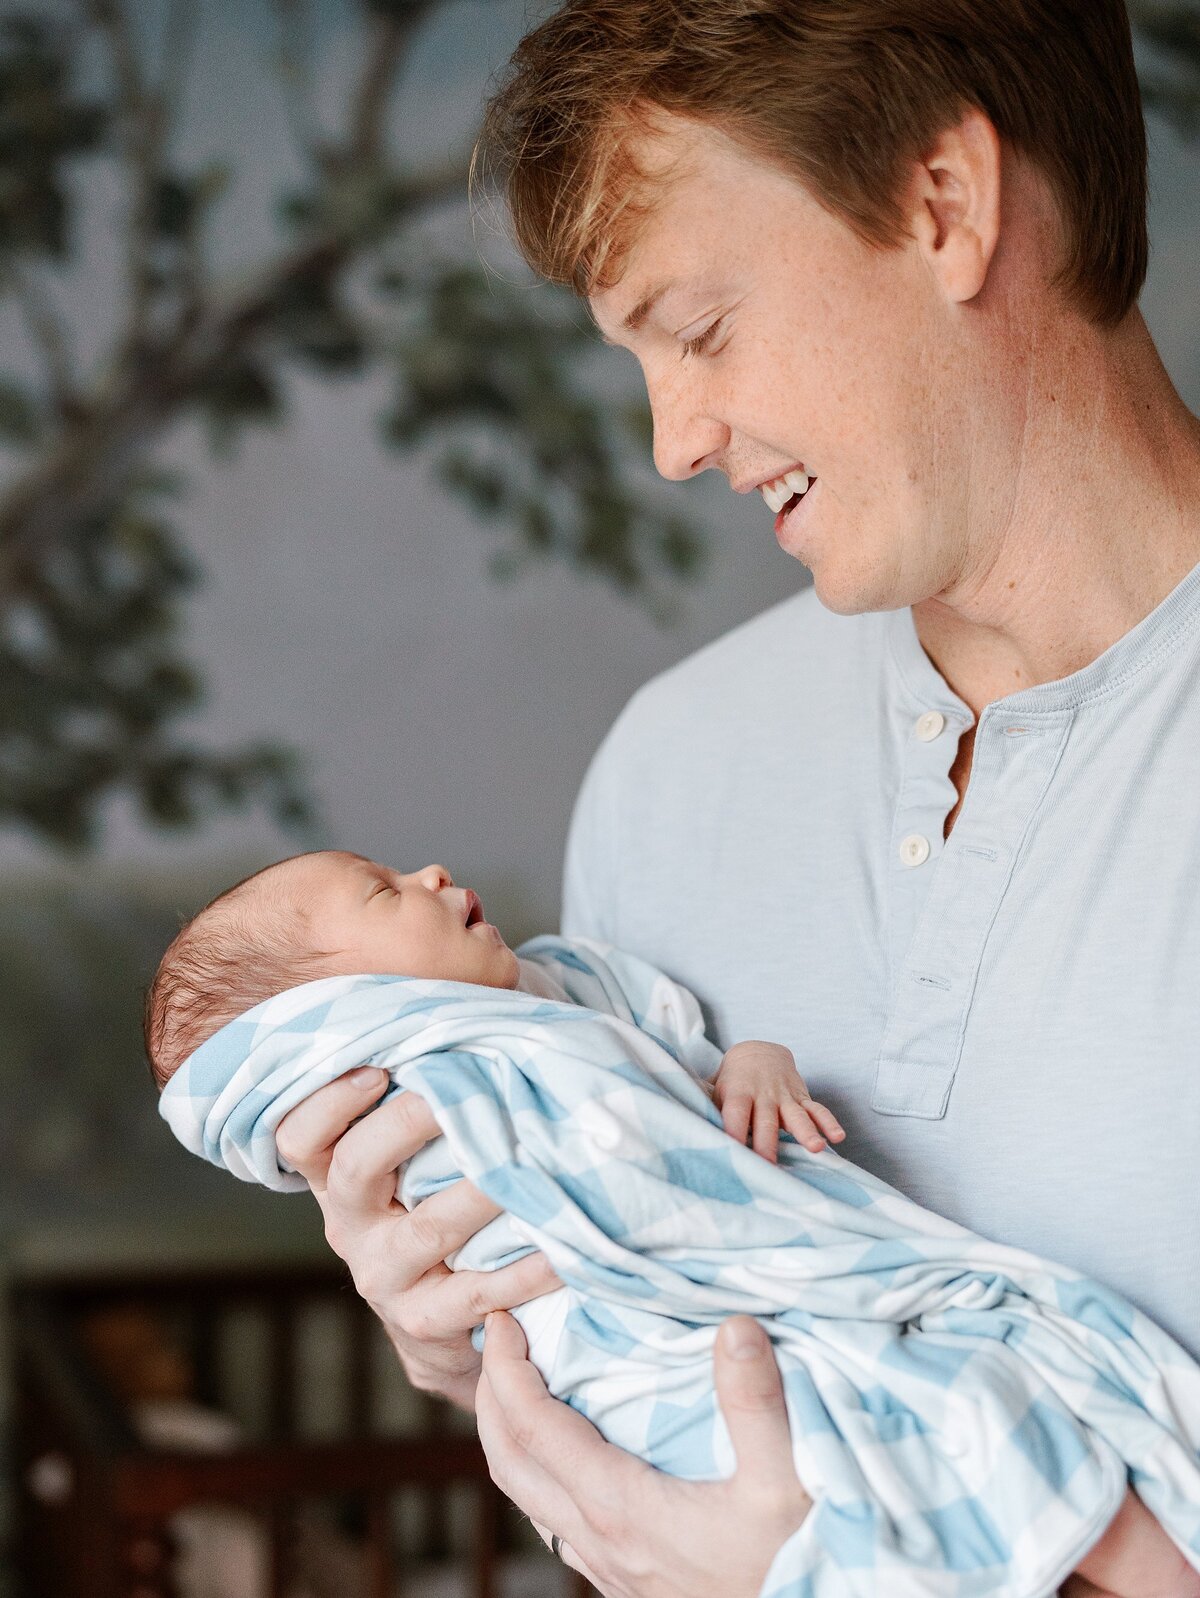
<point x="435" y="877"/>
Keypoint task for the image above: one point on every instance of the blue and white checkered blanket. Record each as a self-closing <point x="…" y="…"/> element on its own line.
<point x="965" y="1415"/>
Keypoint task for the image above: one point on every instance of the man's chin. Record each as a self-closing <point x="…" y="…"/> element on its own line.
<point x="851" y="594"/>
<point x="857" y="587"/>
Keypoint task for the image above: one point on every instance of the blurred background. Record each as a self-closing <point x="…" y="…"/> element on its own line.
<point x="319" y="525"/>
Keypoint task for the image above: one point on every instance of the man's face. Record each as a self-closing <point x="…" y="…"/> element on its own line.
<point x="365" y="917"/>
<point x="809" y="350"/>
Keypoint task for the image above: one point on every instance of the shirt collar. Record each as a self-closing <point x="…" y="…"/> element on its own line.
<point x="1144" y="646"/>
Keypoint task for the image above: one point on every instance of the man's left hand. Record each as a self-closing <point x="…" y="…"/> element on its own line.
<point x="634" y="1532"/>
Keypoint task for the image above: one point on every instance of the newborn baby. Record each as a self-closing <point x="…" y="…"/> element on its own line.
<point x="966" y="1416"/>
<point x="336" y="914"/>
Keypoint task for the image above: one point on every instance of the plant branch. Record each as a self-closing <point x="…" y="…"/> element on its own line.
<point x="47" y="332"/>
<point x="390" y="36"/>
<point x="141" y="124"/>
<point x="179" y="36"/>
<point x="295" y="72"/>
<point x="90" y="460"/>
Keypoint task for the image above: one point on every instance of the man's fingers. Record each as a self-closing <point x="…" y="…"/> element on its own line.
<point x="562" y="1442"/>
<point x="512" y="1407"/>
<point x="565" y="1552"/>
<point x="556" y="1465"/>
<point x="569" y="1557"/>
<point x="514" y="1381"/>
<point x="306" y="1135"/>
<point x="470" y="1296"/>
<point x="361" y="1177"/>
<point x="531" y="1277"/>
<point x="750" y="1393"/>
<point x="434" y="1229"/>
<point x="516" y="1472"/>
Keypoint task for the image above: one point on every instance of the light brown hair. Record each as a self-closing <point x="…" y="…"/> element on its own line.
<point x="243" y="947"/>
<point x="846" y="96"/>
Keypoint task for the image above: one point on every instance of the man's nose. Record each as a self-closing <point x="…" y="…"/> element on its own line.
<point x="686" y="439"/>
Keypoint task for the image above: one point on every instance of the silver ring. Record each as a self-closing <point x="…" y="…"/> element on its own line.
<point x="556" y="1545"/>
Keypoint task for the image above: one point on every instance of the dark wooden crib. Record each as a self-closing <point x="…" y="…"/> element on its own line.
<point x="97" y="1499"/>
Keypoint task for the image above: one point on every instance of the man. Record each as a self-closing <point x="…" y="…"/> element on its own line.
<point x="933" y="825"/>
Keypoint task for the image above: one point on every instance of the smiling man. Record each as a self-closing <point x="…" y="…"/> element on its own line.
<point x="933" y="825"/>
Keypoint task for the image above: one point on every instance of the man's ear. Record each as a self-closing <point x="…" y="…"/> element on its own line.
<point x="955" y="205"/>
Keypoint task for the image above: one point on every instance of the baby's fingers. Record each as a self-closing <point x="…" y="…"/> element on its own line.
<point x="795" y="1117"/>
<point x="735" y="1113"/>
<point x="766" y="1129"/>
<point x="826" y="1120"/>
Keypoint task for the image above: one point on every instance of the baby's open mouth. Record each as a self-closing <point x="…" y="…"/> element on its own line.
<point x="474" y="909"/>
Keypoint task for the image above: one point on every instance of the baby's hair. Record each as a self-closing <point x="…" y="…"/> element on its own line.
<point x="222" y="962"/>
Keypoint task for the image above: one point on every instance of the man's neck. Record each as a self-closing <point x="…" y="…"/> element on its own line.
<point x="1102" y="522"/>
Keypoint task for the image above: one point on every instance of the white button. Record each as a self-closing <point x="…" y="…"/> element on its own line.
<point x="930" y="725"/>
<point x="914" y="851"/>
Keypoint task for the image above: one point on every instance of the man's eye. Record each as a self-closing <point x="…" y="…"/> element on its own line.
<point x="698" y="345"/>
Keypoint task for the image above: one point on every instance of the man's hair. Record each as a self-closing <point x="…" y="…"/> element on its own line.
<point x="242" y="948"/>
<point x="844" y="95"/>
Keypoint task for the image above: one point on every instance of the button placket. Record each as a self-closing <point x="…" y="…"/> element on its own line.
<point x="934" y="982"/>
<point x="914" y="850"/>
<point x="924" y="798"/>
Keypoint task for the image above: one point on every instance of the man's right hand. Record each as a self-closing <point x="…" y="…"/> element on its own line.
<point x="396" y="1257"/>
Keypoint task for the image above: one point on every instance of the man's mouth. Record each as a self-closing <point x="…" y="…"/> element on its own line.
<point x="474" y="910"/>
<point x="783" y="494"/>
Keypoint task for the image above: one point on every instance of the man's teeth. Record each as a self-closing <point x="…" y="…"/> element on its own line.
<point x="781" y="490"/>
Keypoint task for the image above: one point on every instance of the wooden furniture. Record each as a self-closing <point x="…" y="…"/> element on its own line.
<point x="95" y="1500"/>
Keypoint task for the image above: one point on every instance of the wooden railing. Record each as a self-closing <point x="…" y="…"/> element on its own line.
<point x="96" y="1500"/>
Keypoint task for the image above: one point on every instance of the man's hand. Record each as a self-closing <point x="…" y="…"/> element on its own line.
<point x="632" y="1531"/>
<point x="396" y="1258"/>
<point x="1134" y="1559"/>
<point x="758" y="1090"/>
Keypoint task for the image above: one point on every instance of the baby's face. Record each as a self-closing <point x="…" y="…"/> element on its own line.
<point x="368" y="918"/>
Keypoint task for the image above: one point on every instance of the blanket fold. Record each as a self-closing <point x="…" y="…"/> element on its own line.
<point x="966" y="1416"/>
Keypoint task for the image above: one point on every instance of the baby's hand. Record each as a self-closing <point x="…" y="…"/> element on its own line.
<point x="758" y="1090"/>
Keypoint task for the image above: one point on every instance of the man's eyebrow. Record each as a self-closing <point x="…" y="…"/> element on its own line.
<point x="642" y="310"/>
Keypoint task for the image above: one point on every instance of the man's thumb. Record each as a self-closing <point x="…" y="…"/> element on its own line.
<point x="751" y="1397"/>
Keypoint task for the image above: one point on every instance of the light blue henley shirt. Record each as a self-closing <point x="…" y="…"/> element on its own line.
<point x="1006" y="1022"/>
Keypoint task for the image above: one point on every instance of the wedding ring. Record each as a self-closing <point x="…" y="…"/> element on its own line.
<point x="556" y="1545"/>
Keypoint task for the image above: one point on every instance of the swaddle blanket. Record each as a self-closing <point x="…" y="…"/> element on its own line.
<point x="963" y="1414"/>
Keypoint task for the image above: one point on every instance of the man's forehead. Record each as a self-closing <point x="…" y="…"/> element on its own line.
<point x="692" y="171"/>
<point x="666" y="153"/>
